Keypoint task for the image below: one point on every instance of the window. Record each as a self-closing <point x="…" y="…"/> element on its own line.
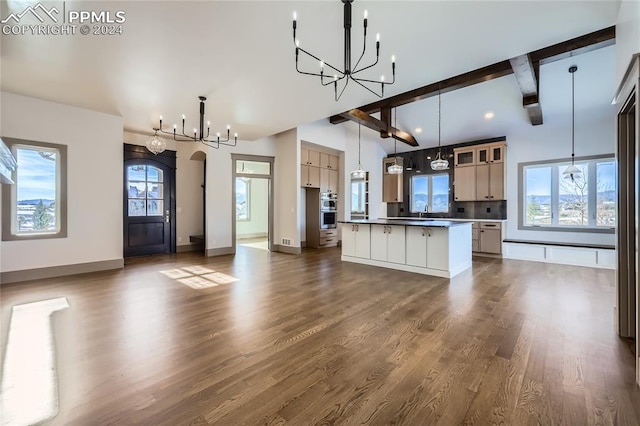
<point x="146" y="190"/>
<point x="35" y="206"/>
<point x="551" y="200"/>
<point x="243" y="195"/>
<point x="430" y="193"/>
<point x="358" y="197"/>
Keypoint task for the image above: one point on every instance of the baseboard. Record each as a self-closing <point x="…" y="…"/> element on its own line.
<point x="220" y="251"/>
<point x="60" y="271"/>
<point x="287" y="249"/>
<point x="562" y="255"/>
<point x="250" y="236"/>
<point x="189" y="247"/>
<point x="303" y="244"/>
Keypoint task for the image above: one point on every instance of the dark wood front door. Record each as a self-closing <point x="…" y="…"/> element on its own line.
<point x="149" y="202"/>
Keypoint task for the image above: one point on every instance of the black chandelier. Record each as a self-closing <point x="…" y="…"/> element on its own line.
<point x="156" y="145"/>
<point x="348" y="73"/>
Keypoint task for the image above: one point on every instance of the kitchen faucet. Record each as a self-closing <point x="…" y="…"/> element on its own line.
<point x="425" y="212"/>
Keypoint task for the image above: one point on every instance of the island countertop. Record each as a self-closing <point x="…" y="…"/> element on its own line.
<point x="409" y="222"/>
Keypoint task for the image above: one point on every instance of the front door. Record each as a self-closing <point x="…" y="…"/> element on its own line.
<point x="149" y="202"/>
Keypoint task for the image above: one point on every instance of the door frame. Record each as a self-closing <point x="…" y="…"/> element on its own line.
<point x="627" y="121"/>
<point x="166" y="158"/>
<point x="270" y="186"/>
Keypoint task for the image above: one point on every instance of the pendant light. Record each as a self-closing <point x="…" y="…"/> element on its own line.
<point x="439" y="163"/>
<point x="359" y="173"/>
<point x="395" y="168"/>
<point x="156" y="144"/>
<point x="572" y="172"/>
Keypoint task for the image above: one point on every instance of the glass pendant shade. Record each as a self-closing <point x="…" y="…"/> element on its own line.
<point x="359" y="173"/>
<point x="395" y="169"/>
<point x="439" y="163"/>
<point x="572" y="172"/>
<point x="156" y="144"/>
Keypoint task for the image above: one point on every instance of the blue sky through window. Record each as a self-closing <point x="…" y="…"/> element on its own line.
<point x="36" y="176"/>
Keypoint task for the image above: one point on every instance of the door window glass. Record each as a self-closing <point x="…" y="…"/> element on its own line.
<point x="146" y="190"/>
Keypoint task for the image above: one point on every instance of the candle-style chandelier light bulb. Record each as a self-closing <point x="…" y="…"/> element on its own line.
<point x="348" y="73"/>
<point x="199" y="135"/>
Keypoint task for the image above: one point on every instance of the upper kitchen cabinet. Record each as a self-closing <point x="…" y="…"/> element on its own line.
<point x="328" y="161"/>
<point x="464" y="156"/>
<point x="309" y="157"/>
<point x="485" y="180"/>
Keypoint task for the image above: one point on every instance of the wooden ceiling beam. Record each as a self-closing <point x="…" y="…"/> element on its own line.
<point x="527" y="76"/>
<point x="380" y="126"/>
<point x="582" y="44"/>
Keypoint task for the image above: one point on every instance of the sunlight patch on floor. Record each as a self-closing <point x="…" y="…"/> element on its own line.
<point x="29" y="375"/>
<point x="198" y="277"/>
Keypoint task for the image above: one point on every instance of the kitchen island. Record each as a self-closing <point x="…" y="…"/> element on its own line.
<point x="432" y="247"/>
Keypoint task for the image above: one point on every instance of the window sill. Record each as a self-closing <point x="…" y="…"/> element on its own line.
<point x="588" y="230"/>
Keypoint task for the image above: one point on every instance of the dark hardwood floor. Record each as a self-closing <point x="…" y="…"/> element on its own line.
<point x="309" y="339"/>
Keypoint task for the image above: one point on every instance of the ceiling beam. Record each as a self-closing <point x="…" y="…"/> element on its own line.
<point x="582" y="44"/>
<point x="379" y="126"/>
<point x="527" y="73"/>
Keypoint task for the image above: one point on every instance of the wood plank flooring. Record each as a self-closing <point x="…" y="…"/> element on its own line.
<point x="309" y="339"/>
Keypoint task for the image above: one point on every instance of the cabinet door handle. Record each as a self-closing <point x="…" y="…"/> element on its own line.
<point x="353" y="228"/>
<point x="357" y="228"/>
<point x="384" y="229"/>
<point x="423" y="232"/>
<point x="389" y="229"/>
<point x="429" y="231"/>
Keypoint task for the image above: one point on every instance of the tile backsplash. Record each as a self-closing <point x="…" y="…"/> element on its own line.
<point x="459" y="210"/>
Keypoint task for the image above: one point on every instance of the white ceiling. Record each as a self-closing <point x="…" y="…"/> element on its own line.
<point x="240" y="55"/>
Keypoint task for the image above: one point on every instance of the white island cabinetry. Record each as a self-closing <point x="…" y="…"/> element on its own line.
<point x="356" y="240"/>
<point x="388" y="243"/>
<point x="439" y="248"/>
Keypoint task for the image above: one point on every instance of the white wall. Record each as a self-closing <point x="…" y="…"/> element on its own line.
<point x="287" y="186"/>
<point x="94" y="188"/>
<point x="258" y="223"/>
<point x="627" y="36"/>
<point x="189" y="177"/>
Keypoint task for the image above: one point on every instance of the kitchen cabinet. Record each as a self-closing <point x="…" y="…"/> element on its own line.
<point x="328" y="161"/>
<point x="328" y="180"/>
<point x="484" y="179"/>
<point x="464" y="183"/>
<point x="428" y="247"/>
<point x="309" y="157"/>
<point x="464" y="156"/>
<point x="356" y="240"/>
<point x="490" y="181"/>
<point x="309" y="176"/>
<point x="490" y="237"/>
<point x="328" y="237"/>
<point x="391" y="184"/>
<point x="388" y="243"/>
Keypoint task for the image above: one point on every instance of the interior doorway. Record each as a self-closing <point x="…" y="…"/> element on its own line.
<point x="252" y="190"/>
<point x="197" y="235"/>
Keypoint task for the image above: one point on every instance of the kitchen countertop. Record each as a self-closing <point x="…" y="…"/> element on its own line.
<point x="409" y="222"/>
<point x="443" y="218"/>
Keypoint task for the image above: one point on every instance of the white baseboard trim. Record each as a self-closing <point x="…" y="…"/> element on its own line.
<point x="408" y="268"/>
<point x="561" y="255"/>
<point x="60" y="271"/>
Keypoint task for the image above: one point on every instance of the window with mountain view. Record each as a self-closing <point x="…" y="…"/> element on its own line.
<point x="37" y="200"/>
<point x="430" y="193"/>
<point x="552" y="200"/>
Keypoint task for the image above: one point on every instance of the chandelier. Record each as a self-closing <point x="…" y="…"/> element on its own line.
<point x="439" y="163"/>
<point x="335" y="75"/>
<point x="158" y="145"/>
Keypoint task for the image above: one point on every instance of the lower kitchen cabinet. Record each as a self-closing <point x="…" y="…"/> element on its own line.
<point x="489" y="238"/>
<point x="356" y="240"/>
<point x="388" y="243"/>
<point x="428" y="247"/>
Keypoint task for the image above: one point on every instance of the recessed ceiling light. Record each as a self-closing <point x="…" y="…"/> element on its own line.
<point x="489" y="115"/>
<point x="418" y="129"/>
<point x="428" y="157"/>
